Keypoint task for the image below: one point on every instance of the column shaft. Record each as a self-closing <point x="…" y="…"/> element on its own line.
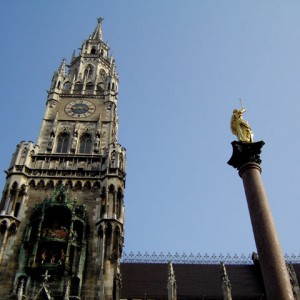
<point x="273" y="267"/>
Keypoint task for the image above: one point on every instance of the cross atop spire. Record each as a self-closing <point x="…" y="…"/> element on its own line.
<point x="97" y="35"/>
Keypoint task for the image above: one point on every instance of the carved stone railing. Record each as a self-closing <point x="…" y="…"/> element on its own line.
<point x="191" y="258"/>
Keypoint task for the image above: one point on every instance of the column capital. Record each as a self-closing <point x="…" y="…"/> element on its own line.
<point x="245" y="153"/>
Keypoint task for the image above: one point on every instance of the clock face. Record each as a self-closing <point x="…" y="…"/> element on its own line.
<point x="80" y="109"/>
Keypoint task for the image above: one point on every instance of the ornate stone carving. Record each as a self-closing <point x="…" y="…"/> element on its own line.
<point x="50" y="141"/>
<point x="97" y="142"/>
<point x="114" y="132"/>
<point x="74" y="141"/>
<point x="112" y="163"/>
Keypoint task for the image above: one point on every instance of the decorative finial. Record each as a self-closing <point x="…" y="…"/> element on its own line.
<point x="239" y="127"/>
<point x="46" y="276"/>
<point x="97" y="35"/>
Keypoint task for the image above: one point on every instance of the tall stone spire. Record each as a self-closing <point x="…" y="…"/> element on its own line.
<point x="97" y="35"/>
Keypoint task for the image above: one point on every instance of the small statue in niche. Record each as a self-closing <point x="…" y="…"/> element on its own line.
<point x="97" y="142"/>
<point x="112" y="159"/>
<point x="74" y="141"/>
<point x="121" y="162"/>
<point x="50" y="141"/>
<point x="239" y="127"/>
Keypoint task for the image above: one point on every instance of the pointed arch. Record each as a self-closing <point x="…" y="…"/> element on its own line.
<point x="89" y="88"/>
<point x="78" y="185"/>
<point x="41" y="184"/>
<point x="67" y="86"/>
<point x="89" y="70"/>
<point x="50" y="184"/>
<point x="96" y="185"/>
<point x="59" y="183"/>
<point x="111" y="188"/>
<point x="93" y="50"/>
<point x="32" y="183"/>
<point x="87" y="185"/>
<point x="14" y="186"/>
<point x="78" y="88"/>
<point x="69" y="184"/>
<point x="85" y="143"/>
<point x="63" y="142"/>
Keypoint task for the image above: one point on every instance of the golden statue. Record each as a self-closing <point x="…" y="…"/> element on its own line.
<point x="239" y="127"/>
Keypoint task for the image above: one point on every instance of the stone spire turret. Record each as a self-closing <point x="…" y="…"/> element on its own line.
<point x="97" y="34"/>
<point x="226" y="285"/>
<point x="62" y="67"/>
<point x="172" y="287"/>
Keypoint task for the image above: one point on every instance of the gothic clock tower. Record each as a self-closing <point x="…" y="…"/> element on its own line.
<point x="62" y="209"/>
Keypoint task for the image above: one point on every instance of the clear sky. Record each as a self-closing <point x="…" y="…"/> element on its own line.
<point x="183" y="66"/>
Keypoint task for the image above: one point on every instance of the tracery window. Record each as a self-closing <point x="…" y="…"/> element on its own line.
<point x="88" y="71"/>
<point x="63" y="143"/>
<point x="67" y="86"/>
<point x="85" y="143"/>
<point x="89" y="88"/>
<point x="78" y="88"/>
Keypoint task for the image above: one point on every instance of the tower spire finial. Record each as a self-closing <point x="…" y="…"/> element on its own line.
<point x="97" y="35"/>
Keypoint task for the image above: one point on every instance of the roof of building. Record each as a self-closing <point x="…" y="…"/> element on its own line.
<point x="194" y="281"/>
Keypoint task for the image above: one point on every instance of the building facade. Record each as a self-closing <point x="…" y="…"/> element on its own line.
<point x="62" y="209"/>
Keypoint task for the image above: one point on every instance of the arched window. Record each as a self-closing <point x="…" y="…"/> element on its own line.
<point x="78" y="88"/>
<point x="88" y="71"/>
<point x="93" y="51"/>
<point x="85" y="144"/>
<point x="89" y="88"/>
<point x="58" y="85"/>
<point x="67" y="86"/>
<point x="63" y="143"/>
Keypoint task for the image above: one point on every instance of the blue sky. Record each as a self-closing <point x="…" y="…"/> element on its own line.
<point x="183" y="66"/>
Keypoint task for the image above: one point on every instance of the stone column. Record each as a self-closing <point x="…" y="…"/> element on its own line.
<point x="276" y="279"/>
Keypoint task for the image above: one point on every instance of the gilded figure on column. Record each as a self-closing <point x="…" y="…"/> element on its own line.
<point x="239" y="127"/>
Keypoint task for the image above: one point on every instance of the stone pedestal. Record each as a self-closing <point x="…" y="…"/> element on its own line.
<point x="246" y="158"/>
